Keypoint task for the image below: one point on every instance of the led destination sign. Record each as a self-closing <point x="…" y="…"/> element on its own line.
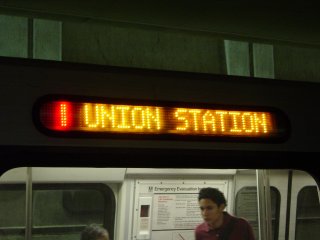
<point x="109" y="118"/>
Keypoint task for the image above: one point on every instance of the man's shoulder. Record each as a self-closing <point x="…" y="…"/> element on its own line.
<point x="238" y="220"/>
<point x="201" y="227"/>
<point x="242" y="221"/>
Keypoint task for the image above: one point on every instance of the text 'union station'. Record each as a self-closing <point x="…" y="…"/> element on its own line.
<point x="98" y="117"/>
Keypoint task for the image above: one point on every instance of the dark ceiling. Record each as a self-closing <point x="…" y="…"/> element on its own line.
<point x="275" y="21"/>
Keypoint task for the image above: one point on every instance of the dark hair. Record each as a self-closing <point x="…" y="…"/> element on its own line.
<point x="213" y="194"/>
<point x="94" y="232"/>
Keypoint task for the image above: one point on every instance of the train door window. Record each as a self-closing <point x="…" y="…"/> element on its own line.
<point x="308" y="214"/>
<point x="61" y="211"/>
<point x="246" y="206"/>
<point x="12" y="211"/>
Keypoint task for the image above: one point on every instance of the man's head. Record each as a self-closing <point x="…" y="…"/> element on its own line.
<point x="94" y="232"/>
<point x="212" y="203"/>
<point x="213" y="194"/>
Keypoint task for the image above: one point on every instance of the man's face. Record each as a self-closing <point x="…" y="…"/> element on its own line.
<point x="104" y="237"/>
<point x="210" y="211"/>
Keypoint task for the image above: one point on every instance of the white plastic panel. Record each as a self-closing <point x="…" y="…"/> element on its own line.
<point x="180" y="171"/>
<point x="144" y="218"/>
<point x="50" y="174"/>
<point x="14" y="175"/>
<point x="175" y="210"/>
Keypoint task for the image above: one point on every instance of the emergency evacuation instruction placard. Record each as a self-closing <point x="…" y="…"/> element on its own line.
<point x="175" y="210"/>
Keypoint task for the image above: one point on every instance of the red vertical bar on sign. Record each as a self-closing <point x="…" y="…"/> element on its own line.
<point x="63" y="115"/>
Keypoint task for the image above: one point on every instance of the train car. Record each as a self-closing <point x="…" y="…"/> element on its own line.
<point x="130" y="149"/>
<point x="65" y="200"/>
